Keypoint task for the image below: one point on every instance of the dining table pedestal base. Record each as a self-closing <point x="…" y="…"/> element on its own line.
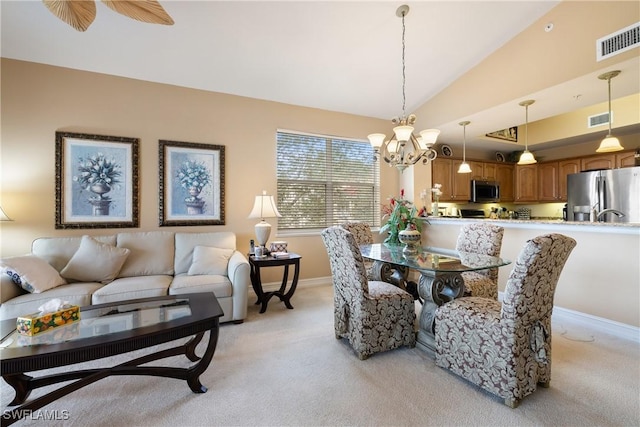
<point x="436" y="289"/>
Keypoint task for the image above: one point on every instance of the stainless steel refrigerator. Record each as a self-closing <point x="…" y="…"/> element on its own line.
<point x="611" y="195"/>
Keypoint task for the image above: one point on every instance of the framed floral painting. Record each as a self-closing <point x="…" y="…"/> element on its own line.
<point x="96" y="181"/>
<point x="191" y="183"/>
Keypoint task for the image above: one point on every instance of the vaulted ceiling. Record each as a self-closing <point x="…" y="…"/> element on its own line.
<point x="465" y="60"/>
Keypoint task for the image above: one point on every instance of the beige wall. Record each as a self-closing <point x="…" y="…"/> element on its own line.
<point x="600" y="278"/>
<point x="38" y="100"/>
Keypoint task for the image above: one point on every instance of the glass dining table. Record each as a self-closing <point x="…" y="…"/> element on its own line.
<point x="440" y="278"/>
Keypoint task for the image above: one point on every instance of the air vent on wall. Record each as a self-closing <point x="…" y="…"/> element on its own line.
<point x="598" y="120"/>
<point x="618" y="42"/>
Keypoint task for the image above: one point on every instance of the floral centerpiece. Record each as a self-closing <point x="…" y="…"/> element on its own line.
<point x="400" y="214"/>
<point x="194" y="177"/>
<point x="97" y="174"/>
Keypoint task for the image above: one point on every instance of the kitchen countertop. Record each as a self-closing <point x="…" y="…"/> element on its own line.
<point x="623" y="227"/>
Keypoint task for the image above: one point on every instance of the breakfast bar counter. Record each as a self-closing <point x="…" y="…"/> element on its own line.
<point x="600" y="280"/>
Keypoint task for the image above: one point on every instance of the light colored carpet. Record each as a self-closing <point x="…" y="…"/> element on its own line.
<point x="285" y="368"/>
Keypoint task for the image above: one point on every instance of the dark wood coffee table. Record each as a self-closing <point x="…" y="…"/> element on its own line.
<point x="106" y="330"/>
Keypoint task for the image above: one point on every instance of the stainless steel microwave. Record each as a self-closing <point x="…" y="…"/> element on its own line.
<point x="484" y="191"/>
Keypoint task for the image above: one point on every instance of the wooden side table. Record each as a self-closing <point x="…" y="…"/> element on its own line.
<point x="269" y="261"/>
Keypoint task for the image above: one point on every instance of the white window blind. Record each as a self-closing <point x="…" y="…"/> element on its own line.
<point x="325" y="180"/>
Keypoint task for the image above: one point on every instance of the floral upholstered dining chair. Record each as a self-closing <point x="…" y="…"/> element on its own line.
<point x="374" y="316"/>
<point x="481" y="238"/>
<point x="506" y="349"/>
<point x="362" y="233"/>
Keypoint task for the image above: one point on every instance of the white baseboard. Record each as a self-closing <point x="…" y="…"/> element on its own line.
<point x="599" y="324"/>
<point x="594" y="323"/>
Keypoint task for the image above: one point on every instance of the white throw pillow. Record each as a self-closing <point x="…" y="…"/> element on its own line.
<point x="95" y="261"/>
<point x="209" y="260"/>
<point x="31" y="273"/>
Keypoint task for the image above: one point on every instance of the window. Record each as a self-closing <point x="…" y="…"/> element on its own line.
<point x="324" y="180"/>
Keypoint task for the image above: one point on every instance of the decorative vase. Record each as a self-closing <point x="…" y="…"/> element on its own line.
<point x="410" y="238"/>
<point x="100" y="188"/>
<point x="195" y="205"/>
<point x="434" y="208"/>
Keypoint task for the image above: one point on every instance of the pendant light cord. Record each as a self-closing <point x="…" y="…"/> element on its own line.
<point x="609" y="83"/>
<point x="526" y="128"/>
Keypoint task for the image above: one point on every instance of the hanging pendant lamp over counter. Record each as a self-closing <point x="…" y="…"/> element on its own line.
<point x="526" y="158"/>
<point x="464" y="166"/>
<point x="609" y="143"/>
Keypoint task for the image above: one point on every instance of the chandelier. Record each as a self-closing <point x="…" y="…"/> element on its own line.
<point x="404" y="149"/>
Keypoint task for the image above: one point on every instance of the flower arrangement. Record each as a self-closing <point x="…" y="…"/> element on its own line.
<point x="193" y="175"/>
<point x="400" y="213"/>
<point x="97" y="169"/>
<point x="437" y="192"/>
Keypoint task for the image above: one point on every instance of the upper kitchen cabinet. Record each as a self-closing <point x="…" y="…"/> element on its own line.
<point x="441" y="174"/>
<point x="600" y="161"/>
<point x="565" y="168"/>
<point x="626" y="159"/>
<point x="548" y="184"/>
<point x="526" y="183"/>
<point x="504" y="176"/>
<point x="483" y="171"/>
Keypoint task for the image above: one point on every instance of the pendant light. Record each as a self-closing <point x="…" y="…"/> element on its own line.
<point x="526" y="158"/>
<point x="609" y="143"/>
<point x="464" y="166"/>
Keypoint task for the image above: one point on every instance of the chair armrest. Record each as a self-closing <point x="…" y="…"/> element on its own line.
<point x="8" y="289"/>
<point x="238" y="272"/>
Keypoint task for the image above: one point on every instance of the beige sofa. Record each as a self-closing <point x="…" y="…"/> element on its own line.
<point x="93" y="270"/>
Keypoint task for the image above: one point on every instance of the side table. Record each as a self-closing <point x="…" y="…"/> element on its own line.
<point x="269" y="261"/>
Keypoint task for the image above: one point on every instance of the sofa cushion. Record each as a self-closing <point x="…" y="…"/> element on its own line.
<point x="31" y="273"/>
<point x="151" y="253"/>
<point x="57" y="251"/>
<point x="187" y="242"/>
<point x="75" y="293"/>
<point x="95" y="262"/>
<point x="185" y="284"/>
<point x="127" y="288"/>
<point x="209" y="260"/>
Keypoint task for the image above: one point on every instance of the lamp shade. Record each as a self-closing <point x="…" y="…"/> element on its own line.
<point x="264" y="207"/>
<point x="376" y="139"/>
<point x="403" y="133"/>
<point x="429" y="137"/>
<point x="526" y="158"/>
<point x="464" y="168"/>
<point x="609" y="144"/>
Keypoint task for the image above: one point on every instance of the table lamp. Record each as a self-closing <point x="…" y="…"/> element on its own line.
<point x="264" y="207"/>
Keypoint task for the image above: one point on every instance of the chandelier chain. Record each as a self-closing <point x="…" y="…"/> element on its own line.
<point x="404" y="99"/>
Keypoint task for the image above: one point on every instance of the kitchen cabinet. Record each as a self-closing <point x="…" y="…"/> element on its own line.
<point x="460" y="183"/>
<point x="441" y="171"/>
<point x="626" y="159"/>
<point x="601" y="161"/>
<point x="483" y="171"/>
<point x="504" y="176"/>
<point x="566" y="167"/>
<point x="526" y="183"/>
<point x="548" y="187"/>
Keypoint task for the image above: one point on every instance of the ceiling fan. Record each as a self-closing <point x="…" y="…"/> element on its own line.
<point x="81" y="13"/>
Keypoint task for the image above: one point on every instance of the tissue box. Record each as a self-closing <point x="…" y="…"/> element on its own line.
<point x="36" y="323"/>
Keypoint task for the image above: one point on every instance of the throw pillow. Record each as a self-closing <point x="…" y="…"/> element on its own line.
<point x="31" y="273"/>
<point x="95" y="261"/>
<point x="209" y="260"/>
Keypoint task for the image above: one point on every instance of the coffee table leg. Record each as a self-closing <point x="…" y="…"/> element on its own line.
<point x="193" y="374"/>
<point x="20" y="383"/>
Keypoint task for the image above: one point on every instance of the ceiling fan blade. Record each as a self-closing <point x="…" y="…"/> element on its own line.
<point x="77" y="13"/>
<point x="142" y="10"/>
